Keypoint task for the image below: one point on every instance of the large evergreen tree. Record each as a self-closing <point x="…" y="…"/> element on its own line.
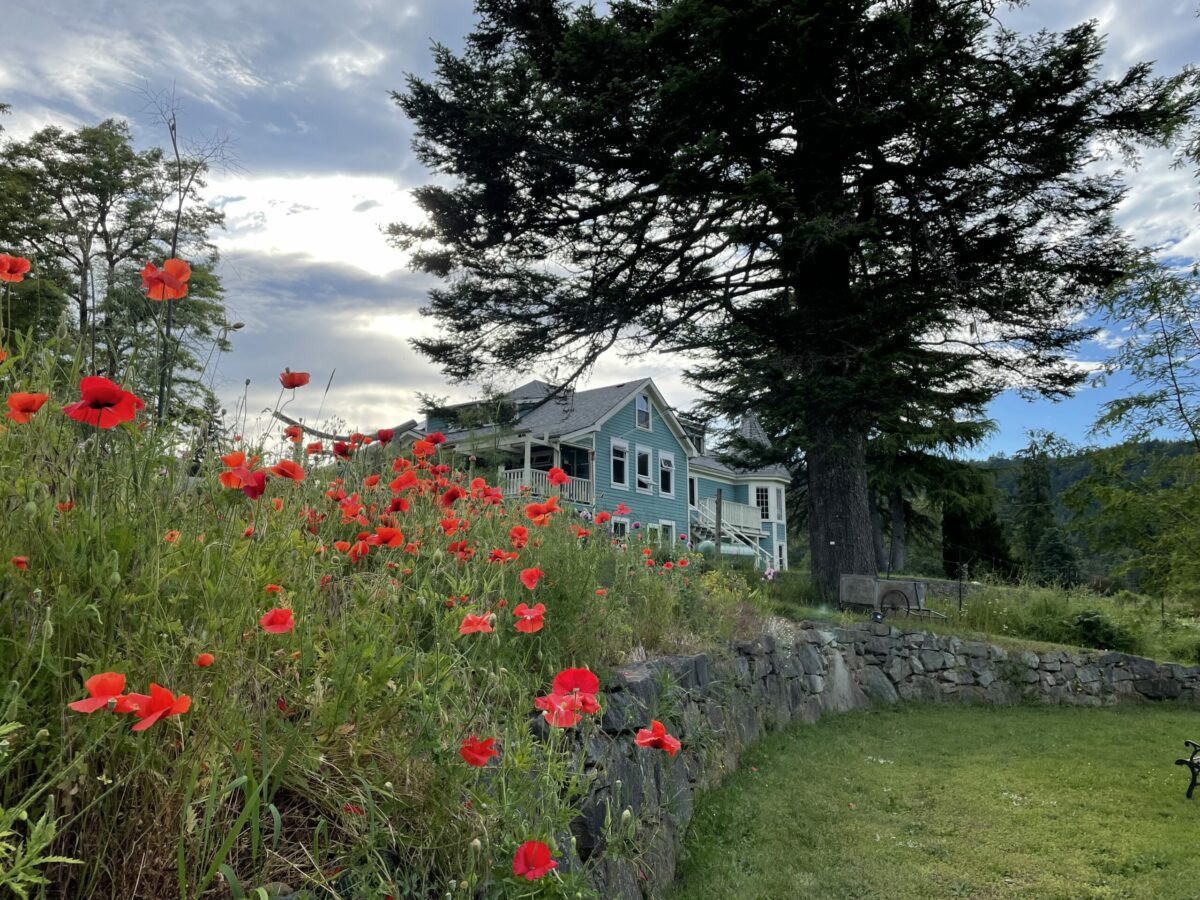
<point x="842" y="210"/>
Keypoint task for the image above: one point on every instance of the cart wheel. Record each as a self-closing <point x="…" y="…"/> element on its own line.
<point x="894" y="601"/>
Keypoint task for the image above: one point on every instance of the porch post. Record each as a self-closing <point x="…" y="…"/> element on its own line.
<point x="557" y="455"/>
<point x="528" y="457"/>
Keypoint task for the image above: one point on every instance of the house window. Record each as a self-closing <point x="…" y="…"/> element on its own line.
<point x="645" y="482"/>
<point x="620" y="528"/>
<point x="653" y="534"/>
<point x="762" y="496"/>
<point x="620" y="463"/>
<point x="781" y="556"/>
<point x="666" y="473"/>
<point x="668" y="532"/>
<point x="691" y="492"/>
<point x="643" y="411"/>
<point x="779" y="504"/>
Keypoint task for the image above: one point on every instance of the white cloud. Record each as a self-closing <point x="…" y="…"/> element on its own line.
<point x="320" y="217"/>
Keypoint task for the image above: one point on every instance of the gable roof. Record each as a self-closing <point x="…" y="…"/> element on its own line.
<point x="577" y="410"/>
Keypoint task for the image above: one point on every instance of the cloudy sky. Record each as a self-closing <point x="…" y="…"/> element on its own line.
<point x="303" y="86"/>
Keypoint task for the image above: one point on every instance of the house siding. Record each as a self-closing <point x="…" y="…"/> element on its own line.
<point x="648" y="508"/>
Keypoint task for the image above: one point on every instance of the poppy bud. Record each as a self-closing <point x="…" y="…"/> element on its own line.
<point x="114" y="579"/>
<point x="31" y="508"/>
<point x="477" y="846"/>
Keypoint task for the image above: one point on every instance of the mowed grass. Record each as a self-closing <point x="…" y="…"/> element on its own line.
<point x="944" y="801"/>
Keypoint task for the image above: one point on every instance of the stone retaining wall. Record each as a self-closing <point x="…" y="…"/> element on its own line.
<point x="719" y="704"/>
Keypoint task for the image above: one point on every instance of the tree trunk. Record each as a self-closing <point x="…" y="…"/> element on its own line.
<point x="881" y="557"/>
<point x="839" y="516"/>
<point x="899" y="533"/>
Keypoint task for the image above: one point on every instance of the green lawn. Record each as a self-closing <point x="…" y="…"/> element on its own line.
<point x="940" y="801"/>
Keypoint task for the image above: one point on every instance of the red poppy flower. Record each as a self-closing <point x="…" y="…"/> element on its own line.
<point x="103" y="690"/>
<point x="386" y="536"/>
<point x="314" y="447"/>
<point x="656" y="737"/>
<point x="274" y="589"/>
<point x="436" y="438"/>
<point x="234" y="459"/>
<point x="160" y="704"/>
<point x="370" y="481"/>
<point x="21" y="562"/>
<point x="253" y="484"/>
<point x="476" y="752"/>
<point x="557" y="476"/>
<point x="540" y="513"/>
<point x="171" y="536"/>
<point x="450" y="526"/>
<point x="472" y="623"/>
<point x="422" y="449"/>
<point x="601" y="592"/>
<point x="277" y="502"/>
<point x="13" y="268"/>
<point x="342" y="450"/>
<point x="531" y="577"/>
<point x="293" y="433"/>
<point x="519" y="536"/>
<point x="453" y="494"/>
<point x="285" y="468"/>
<point x="622" y="509"/>
<point x="103" y="404"/>
<point x="683" y="563"/>
<point x="385" y="435"/>
<point x="581" y="532"/>
<point x="529" y="620"/>
<point x="204" y="660"/>
<point x="532" y="861"/>
<point x="668" y="565"/>
<point x="582" y="681"/>
<point x="292" y="380"/>
<point x="21" y="407"/>
<point x="168" y="283"/>
<point x="602" y="517"/>
<point x="65" y="506"/>
<point x="277" y="621"/>
<point x="502" y="556"/>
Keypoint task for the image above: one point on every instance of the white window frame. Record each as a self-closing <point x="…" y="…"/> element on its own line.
<point x="614" y="445"/>
<point x="624" y="527"/>
<point x="669" y="535"/>
<point x="637" y="412"/>
<point x="779" y="504"/>
<point x="654" y="533"/>
<point x="764" y="512"/>
<point x="781" y="556"/>
<point x="637" y="453"/>
<point x="666" y="463"/>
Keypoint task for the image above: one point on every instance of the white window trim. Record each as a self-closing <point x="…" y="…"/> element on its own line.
<point x="669" y="534"/>
<point x="649" y="426"/>
<point x="754" y="492"/>
<point x="654" y="528"/>
<point x="780" y="502"/>
<point x="666" y="456"/>
<point x="781" y="555"/>
<point x="624" y="445"/>
<point x="615" y="520"/>
<point x="649" y="451"/>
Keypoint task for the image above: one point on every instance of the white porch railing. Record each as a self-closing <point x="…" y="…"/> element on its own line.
<point x="742" y="530"/>
<point x="577" y="490"/>
<point x="741" y="516"/>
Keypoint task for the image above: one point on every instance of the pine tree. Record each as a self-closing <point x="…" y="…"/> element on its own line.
<point x="842" y="210"/>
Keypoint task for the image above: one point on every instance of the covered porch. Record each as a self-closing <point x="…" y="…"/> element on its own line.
<point x="526" y="471"/>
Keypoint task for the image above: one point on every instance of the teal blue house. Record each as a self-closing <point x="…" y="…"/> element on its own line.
<point x="623" y="444"/>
